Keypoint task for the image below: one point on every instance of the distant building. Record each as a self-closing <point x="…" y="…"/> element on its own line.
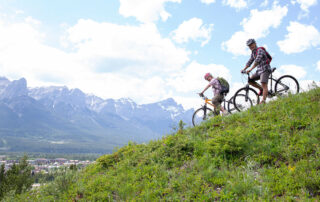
<point x="31" y="162"/>
<point x="41" y="161"/>
<point x="60" y="160"/>
<point x="12" y="161"/>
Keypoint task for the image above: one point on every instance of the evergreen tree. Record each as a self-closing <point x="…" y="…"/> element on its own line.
<point x="18" y="178"/>
<point x="2" y="181"/>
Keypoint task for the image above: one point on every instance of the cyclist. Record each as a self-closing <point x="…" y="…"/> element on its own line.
<point x="218" y="96"/>
<point x="261" y="61"/>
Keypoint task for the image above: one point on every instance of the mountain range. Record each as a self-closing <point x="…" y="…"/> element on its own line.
<point x="57" y="119"/>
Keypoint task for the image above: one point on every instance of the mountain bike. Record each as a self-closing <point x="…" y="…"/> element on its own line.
<point x="205" y="112"/>
<point x="284" y="85"/>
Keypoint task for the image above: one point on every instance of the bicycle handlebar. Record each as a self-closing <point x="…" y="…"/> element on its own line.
<point x="203" y="97"/>
<point x="245" y="72"/>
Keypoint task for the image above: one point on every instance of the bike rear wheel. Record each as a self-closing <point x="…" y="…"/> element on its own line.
<point x="231" y="107"/>
<point x="287" y="85"/>
<point x="202" y="114"/>
<point x="245" y="98"/>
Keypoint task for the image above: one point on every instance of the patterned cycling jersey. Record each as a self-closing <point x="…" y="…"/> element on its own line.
<point x="261" y="58"/>
<point x="216" y="86"/>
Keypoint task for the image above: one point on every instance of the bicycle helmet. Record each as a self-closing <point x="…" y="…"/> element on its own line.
<point x="207" y="75"/>
<point x="250" y="41"/>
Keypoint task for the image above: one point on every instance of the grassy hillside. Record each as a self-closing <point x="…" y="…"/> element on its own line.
<point x="269" y="152"/>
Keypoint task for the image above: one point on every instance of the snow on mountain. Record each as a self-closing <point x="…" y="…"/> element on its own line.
<point x="76" y="105"/>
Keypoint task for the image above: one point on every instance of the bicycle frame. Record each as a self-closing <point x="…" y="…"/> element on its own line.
<point x="271" y="78"/>
<point x="247" y="86"/>
<point x="209" y="101"/>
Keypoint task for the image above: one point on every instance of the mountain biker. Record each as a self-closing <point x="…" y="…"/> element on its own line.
<point x="218" y="96"/>
<point x="261" y="61"/>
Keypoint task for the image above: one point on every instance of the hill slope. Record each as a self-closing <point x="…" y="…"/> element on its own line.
<point x="270" y="151"/>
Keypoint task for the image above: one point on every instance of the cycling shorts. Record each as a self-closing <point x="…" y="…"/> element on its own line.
<point x="264" y="77"/>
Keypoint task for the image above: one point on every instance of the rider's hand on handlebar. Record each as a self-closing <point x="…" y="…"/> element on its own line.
<point x="201" y="94"/>
<point x="243" y="71"/>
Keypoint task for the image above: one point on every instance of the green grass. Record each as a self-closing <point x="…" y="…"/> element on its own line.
<point x="270" y="152"/>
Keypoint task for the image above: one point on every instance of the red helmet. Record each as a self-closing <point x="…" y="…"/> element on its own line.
<point x="207" y="75"/>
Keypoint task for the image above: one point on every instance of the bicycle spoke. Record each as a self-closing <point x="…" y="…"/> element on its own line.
<point x="245" y="98"/>
<point x="201" y="115"/>
<point x="287" y="85"/>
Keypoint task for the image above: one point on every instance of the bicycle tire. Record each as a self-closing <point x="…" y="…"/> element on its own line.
<point x="202" y="115"/>
<point x="242" y="105"/>
<point x="231" y="109"/>
<point x="281" y="81"/>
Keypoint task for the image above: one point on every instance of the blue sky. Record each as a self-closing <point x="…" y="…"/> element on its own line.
<point x="152" y="50"/>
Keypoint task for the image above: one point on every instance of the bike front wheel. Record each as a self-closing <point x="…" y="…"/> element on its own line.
<point x="200" y="115"/>
<point x="287" y="85"/>
<point x="245" y="98"/>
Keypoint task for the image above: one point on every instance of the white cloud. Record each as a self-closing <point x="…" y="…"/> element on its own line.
<point x="115" y="85"/>
<point x="254" y="28"/>
<point x="265" y="3"/>
<point x="108" y="60"/>
<point x="236" y="44"/>
<point x="306" y="85"/>
<point x="238" y="4"/>
<point x="208" y="1"/>
<point x="131" y="47"/>
<point x="195" y="101"/>
<point x="191" y="78"/>
<point x="23" y="53"/>
<point x="189" y="102"/>
<point x="145" y="10"/>
<point x="305" y="4"/>
<point x="296" y="71"/>
<point x="33" y="21"/>
<point x="190" y="81"/>
<point x="300" y="38"/>
<point x="318" y="65"/>
<point x="193" y="29"/>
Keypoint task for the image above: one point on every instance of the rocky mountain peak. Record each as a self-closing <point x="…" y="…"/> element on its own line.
<point x="13" y="89"/>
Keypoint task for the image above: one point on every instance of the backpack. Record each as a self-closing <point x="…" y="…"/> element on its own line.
<point x="224" y="85"/>
<point x="269" y="58"/>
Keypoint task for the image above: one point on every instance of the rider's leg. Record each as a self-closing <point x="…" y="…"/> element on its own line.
<point x="222" y="108"/>
<point x="216" y="101"/>
<point x="252" y="81"/>
<point x="264" y="82"/>
<point x="255" y="84"/>
<point x="265" y="92"/>
<point x="224" y="112"/>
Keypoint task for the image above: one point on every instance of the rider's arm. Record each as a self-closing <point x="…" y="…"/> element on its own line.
<point x="250" y="61"/>
<point x="253" y="66"/>
<point x="206" y="88"/>
<point x="258" y="59"/>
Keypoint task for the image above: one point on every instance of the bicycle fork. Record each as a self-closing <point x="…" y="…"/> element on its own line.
<point x="204" y="111"/>
<point x="247" y="93"/>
